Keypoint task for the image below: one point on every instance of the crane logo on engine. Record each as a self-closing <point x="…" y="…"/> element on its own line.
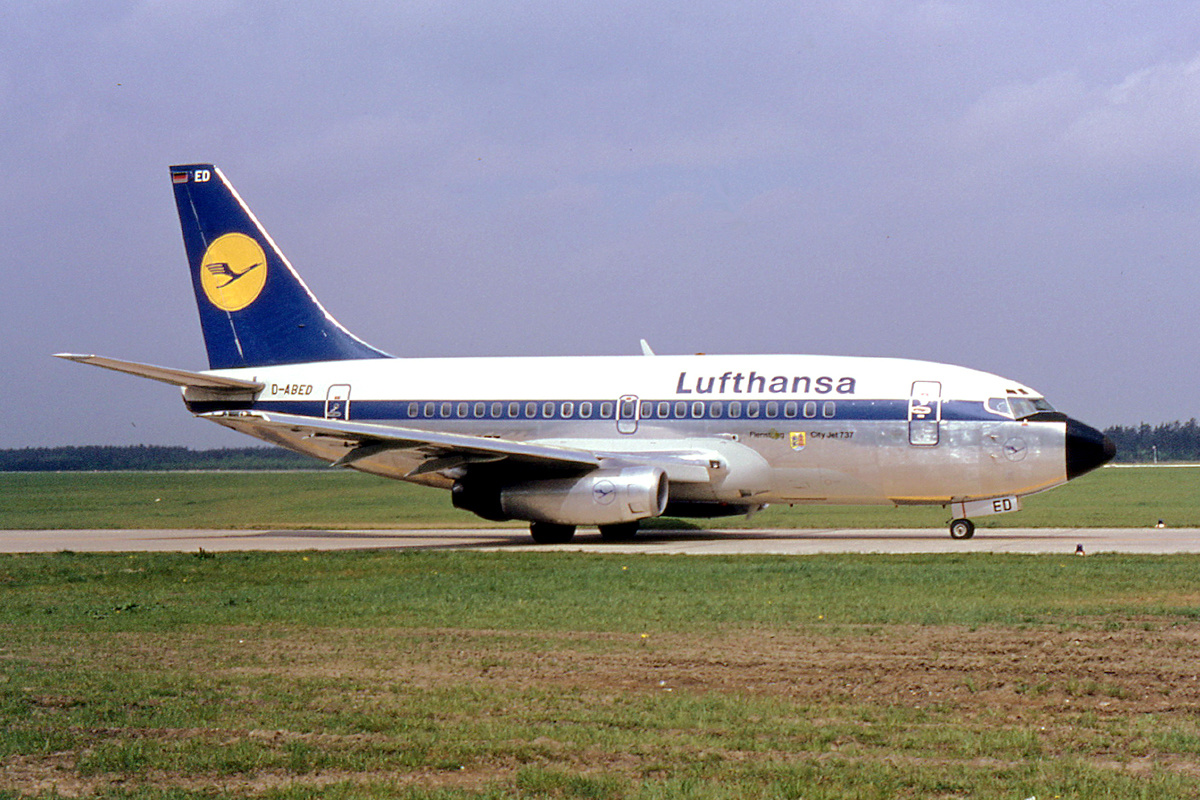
<point x="604" y="492"/>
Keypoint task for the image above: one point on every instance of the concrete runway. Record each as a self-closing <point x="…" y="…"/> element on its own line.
<point x="784" y="542"/>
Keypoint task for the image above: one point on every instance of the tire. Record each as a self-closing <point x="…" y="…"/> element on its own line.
<point x="962" y="529"/>
<point x="549" y="533"/>
<point x="621" y="532"/>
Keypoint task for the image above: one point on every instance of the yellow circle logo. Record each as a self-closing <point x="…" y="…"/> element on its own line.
<point x="233" y="272"/>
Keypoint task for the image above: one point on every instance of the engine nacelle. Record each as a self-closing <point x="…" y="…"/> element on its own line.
<point x="603" y="497"/>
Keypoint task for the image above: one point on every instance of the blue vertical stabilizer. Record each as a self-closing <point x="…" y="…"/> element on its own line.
<point x="254" y="309"/>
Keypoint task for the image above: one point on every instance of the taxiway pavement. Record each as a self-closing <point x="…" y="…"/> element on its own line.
<point x="708" y="542"/>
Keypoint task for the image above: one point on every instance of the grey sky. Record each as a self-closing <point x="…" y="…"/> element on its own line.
<point x="1012" y="187"/>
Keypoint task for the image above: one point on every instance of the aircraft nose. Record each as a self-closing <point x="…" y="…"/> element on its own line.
<point x="1087" y="448"/>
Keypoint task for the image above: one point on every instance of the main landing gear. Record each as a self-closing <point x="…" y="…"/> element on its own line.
<point x="551" y="533"/>
<point x="962" y="529"/>
<point x="622" y="532"/>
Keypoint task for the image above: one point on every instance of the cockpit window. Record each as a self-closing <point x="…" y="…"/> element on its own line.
<point x="1028" y="406"/>
<point x="999" y="405"/>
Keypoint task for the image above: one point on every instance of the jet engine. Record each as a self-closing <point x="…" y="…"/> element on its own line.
<point x="603" y="497"/>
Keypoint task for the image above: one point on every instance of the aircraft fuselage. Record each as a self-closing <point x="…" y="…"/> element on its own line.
<point x="788" y="429"/>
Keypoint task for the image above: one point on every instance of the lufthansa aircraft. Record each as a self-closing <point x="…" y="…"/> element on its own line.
<point x="605" y="440"/>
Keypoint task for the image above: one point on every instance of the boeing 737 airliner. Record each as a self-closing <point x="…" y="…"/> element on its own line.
<point x="608" y="440"/>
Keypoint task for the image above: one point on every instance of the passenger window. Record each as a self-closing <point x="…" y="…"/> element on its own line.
<point x="568" y="410"/>
<point x="446" y="409"/>
<point x="497" y="410"/>
<point x="680" y="409"/>
<point x="715" y="409"/>
<point x="698" y="409"/>
<point x="429" y="409"/>
<point x="606" y="410"/>
<point x="829" y="409"/>
<point x="547" y="410"/>
<point x="735" y="409"/>
<point x="413" y="408"/>
<point x="647" y="410"/>
<point x="462" y="409"/>
<point x="810" y="409"/>
<point x="790" y="409"/>
<point x="752" y="409"/>
<point x="585" y="410"/>
<point x="531" y="411"/>
<point x="772" y="409"/>
<point x="664" y="410"/>
<point x="480" y="409"/>
<point x="514" y="409"/>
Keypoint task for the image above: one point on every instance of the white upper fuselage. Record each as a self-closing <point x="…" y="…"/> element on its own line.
<point x="747" y="377"/>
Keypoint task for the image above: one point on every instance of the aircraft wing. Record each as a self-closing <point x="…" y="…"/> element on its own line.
<point x="389" y="450"/>
<point x="420" y="455"/>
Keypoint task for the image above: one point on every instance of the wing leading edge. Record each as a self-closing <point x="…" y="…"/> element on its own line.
<point x="396" y="452"/>
<point x="423" y="456"/>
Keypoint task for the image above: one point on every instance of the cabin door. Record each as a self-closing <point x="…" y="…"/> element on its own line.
<point x="337" y="402"/>
<point x="925" y="413"/>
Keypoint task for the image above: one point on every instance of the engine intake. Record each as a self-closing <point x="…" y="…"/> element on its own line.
<point x="603" y="497"/>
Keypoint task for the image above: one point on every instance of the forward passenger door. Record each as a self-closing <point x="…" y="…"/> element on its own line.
<point x="925" y="413"/>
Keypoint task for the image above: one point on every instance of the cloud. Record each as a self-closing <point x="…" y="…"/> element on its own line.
<point x="1143" y="129"/>
<point x="1150" y="120"/>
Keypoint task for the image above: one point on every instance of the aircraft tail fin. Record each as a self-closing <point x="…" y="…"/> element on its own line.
<point x="255" y="310"/>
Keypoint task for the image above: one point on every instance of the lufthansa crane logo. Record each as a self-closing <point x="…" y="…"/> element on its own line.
<point x="233" y="271"/>
<point x="1016" y="449"/>
<point x="604" y="492"/>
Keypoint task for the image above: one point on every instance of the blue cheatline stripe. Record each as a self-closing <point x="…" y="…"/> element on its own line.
<point x="583" y="410"/>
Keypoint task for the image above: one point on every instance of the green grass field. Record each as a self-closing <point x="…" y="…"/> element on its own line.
<point x="1135" y="497"/>
<point x="437" y="675"/>
<point x="564" y="675"/>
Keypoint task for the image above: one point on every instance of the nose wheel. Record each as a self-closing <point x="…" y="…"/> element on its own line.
<point x="962" y="529"/>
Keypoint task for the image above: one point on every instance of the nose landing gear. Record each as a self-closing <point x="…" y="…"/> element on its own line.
<point x="962" y="529"/>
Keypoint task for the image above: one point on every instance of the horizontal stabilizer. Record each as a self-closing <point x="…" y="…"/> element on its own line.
<point x="175" y="377"/>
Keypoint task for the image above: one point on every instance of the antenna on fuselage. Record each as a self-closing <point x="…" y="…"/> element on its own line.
<point x="646" y="351"/>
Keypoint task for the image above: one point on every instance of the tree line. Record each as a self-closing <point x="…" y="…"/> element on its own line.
<point x="1144" y="443"/>
<point x="150" y="457"/>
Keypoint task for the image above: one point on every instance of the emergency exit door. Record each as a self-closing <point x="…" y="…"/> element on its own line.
<point x="627" y="414"/>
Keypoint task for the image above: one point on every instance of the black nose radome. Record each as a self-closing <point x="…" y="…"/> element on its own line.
<point x="1087" y="448"/>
